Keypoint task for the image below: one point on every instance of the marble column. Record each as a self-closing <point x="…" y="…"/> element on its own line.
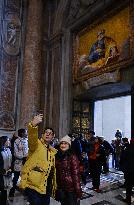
<point x="30" y="96"/>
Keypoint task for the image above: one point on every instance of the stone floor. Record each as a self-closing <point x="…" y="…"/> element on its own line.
<point x="111" y="192"/>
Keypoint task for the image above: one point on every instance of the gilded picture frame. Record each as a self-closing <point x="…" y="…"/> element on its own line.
<point x="104" y="46"/>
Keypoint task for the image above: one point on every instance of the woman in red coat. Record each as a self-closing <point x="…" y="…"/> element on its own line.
<point x="67" y="172"/>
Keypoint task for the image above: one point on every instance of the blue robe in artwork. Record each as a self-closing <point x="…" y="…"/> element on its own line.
<point x="97" y="51"/>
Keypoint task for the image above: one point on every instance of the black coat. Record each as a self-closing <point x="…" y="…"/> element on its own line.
<point x="108" y="147"/>
<point x="79" y="146"/>
<point x="127" y="160"/>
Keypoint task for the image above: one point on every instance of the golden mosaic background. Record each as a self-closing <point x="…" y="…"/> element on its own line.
<point x="116" y="27"/>
<point x="76" y="122"/>
<point x="85" y="123"/>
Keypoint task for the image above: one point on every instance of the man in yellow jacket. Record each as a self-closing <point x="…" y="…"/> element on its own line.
<point x="38" y="174"/>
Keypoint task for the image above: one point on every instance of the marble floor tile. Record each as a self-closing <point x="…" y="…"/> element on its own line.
<point x="111" y="192"/>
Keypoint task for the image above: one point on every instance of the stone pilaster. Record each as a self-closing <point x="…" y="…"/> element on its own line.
<point x="30" y="98"/>
<point x="66" y="87"/>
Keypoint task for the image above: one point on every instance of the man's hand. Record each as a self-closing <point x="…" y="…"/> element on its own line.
<point x="37" y="119"/>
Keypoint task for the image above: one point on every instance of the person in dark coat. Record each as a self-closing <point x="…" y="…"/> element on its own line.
<point x="108" y="150"/>
<point x="127" y="166"/>
<point x="95" y="158"/>
<point x="84" y="168"/>
<point x="5" y="171"/>
<point x="118" y="134"/>
<point x="125" y="144"/>
<point x="14" y="137"/>
<point x="67" y="174"/>
<point x="118" y="150"/>
<point x="90" y="146"/>
<point x="79" y="146"/>
<point x="113" y="153"/>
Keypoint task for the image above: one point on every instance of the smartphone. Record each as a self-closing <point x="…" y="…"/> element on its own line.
<point x="39" y="112"/>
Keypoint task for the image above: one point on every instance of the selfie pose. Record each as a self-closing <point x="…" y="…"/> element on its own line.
<point x="68" y="175"/>
<point x="38" y="175"/>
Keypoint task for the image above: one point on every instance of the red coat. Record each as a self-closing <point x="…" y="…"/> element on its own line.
<point x="67" y="173"/>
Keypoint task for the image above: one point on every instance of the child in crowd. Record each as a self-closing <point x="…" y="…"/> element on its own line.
<point x="5" y="171"/>
<point x="84" y="168"/>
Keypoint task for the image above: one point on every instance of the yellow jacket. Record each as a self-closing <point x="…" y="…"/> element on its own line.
<point x="38" y="165"/>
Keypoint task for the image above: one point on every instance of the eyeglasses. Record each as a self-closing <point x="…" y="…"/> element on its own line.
<point x="48" y="132"/>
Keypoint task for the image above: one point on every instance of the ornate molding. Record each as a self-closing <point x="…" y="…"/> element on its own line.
<point x="69" y="10"/>
<point x="102" y="79"/>
<point x="13" y="4"/>
<point x="11" y="33"/>
<point x="78" y="8"/>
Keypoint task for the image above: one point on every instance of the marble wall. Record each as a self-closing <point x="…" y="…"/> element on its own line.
<point x="11" y="43"/>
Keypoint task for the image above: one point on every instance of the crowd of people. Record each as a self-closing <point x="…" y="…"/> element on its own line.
<point x="60" y="168"/>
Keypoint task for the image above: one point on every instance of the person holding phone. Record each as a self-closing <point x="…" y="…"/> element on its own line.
<point x="38" y="174"/>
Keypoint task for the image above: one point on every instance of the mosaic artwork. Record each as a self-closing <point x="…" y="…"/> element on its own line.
<point x="85" y="123"/>
<point x="100" y="47"/>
